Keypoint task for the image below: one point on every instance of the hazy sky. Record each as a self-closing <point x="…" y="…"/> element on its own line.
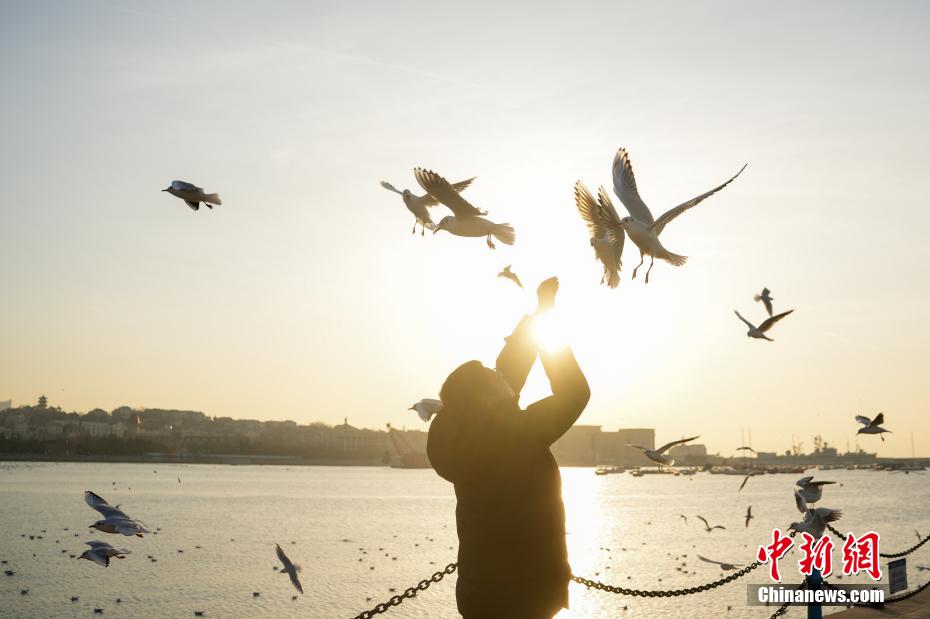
<point x="305" y="296"/>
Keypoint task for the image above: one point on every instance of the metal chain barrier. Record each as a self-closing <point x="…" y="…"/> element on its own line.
<point x="784" y="607"/>
<point x="593" y="584"/>
<point x="890" y="600"/>
<point x="409" y="593"/>
<point x="884" y="555"/>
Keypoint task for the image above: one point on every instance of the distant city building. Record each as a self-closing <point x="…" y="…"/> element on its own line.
<point x="689" y="454"/>
<point x="5" y="404"/>
<point x="585" y="445"/>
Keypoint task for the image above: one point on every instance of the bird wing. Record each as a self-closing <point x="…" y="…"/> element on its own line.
<point x="587" y="208"/>
<point x="391" y="187"/>
<point x="718" y="526"/>
<point x="100" y="558"/>
<point x="765" y="326"/>
<point x="800" y="502"/>
<point x="685" y="518"/>
<point x="879" y="420"/>
<point x="99" y="503"/>
<point x="745" y="479"/>
<point x="767" y="302"/>
<point x="746" y="449"/>
<point x="429" y="200"/>
<point x="440" y="189"/>
<point x="704" y="520"/>
<point x="194" y="205"/>
<point x="283" y="557"/>
<point x="638" y="447"/>
<point x="295" y="581"/>
<point x="804" y="481"/>
<point x="182" y="186"/>
<point x="706" y="560"/>
<point x="94" y="545"/>
<point x="625" y="187"/>
<point x="611" y="220"/>
<point x="748" y="324"/>
<point x="749" y="511"/>
<point x="826" y="514"/>
<point x="863" y="420"/>
<point x="672" y="213"/>
<point x="664" y="447"/>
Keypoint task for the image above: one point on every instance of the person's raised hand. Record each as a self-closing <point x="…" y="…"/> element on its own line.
<point x="545" y="294"/>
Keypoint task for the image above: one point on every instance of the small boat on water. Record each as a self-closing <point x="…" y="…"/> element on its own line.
<point x="608" y="470"/>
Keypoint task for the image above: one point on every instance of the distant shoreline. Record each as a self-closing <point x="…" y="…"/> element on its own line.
<point x="168" y="459"/>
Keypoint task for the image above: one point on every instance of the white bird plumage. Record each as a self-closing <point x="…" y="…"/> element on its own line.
<point x="606" y="236"/>
<point x="811" y="491"/>
<point x="193" y="195"/>
<point x="426" y="408"/>
<point x="466" y="220"/>
<point x="872" y="426"/>
<point x="419" y="205"/>
<point x="642" y="228"/>
<point x="114" y="519"/>
<point x="102" y="552"/>
<point x="815" y="520"/>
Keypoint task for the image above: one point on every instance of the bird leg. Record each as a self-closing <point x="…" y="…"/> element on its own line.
<point x="414" y="231"/>
<point x="490" y="243"/>
<point x="652" y="261"/>
<point x="422" y="229"/>
<point x="641" y="258"/>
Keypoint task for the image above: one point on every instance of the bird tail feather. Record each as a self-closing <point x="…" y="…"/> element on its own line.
<point x="504" y="233"/>
<point x="212" y="198"/>
<point x="614" y="280"/>
<point x="674" y="259"/>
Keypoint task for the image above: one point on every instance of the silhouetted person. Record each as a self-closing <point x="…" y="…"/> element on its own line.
<point x="512" y="558"/>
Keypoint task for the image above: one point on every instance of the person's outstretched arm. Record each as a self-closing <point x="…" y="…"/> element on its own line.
<point x="549" y="418"/>
<point x="517" y="357"/>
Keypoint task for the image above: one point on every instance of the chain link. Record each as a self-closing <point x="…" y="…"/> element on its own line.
<point x="396" y="600"/>
<point x="784" y="607"/>
<point x="593" y="584"/>
<point x="884" y="555"/>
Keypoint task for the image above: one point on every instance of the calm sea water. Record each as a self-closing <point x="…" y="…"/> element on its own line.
<point x="347" y="525"/>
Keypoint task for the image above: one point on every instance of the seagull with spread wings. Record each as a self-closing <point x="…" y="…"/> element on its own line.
<point x="643" y="228"/>
<point x="745" y="448"/>
<point x="726" y="567"/>
<point x="707" y="526"/>
<point x="607" y="240"/>
<point x="466" y="220"/>
<point x="815" y="520"/>
<point x="193" y="195"/>
<point x="872" y="426"/>
<point x="811" y="491"/>
<point x="420" y="205"/>
<point x="101" y="553"/>
<point x="658" y="455"/>
<point x="289" y="568"/>
<point x="749" y="515"/>
<point x="766" y="298"/>
<point x="114" y="519"/>
<point x="759" y="332"/>
<point x="745" y="479"/>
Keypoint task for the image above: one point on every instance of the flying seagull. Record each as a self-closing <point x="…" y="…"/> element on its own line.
<point x="872" y="426"/>
<point x="508" y="274"/>
<point x="746" y="449"/>
<point x="101" y="552"/>
<point x="815" y="520"/>
<point x="707" y="526"/>
<point x="193" y="195"/>
<point x="643" y="229"/>
<point x="683" y="517"/>
<point x="419" y="205"/>
<point x="607" y="240"/>
<point x="749" y="515"/>
<point x="811" y="491"/>
<point x="759" y="332"/>
<point x="426" y="408"/>
<point x="466" y="220"/>
<point x="745" y="479"/>
<point x="766" y="298"/>
<point x="658" y="455"/>
<point x="289" y="568"/>
<point x="114" y="519"/>
<point x="726" y="567"/>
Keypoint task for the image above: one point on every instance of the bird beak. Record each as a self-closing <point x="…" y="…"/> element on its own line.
<point x="436" y="229"/>
<point x="164" y="190"/>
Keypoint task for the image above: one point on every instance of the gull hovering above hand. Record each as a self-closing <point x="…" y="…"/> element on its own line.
<point x="101" y="552"/>
<point x="759" y="332"/>
<point x="810" y="491"/>
<point x="508" y="274"/>
<point x="289" y="568"/>
<point x="466" y="220"/>
<point x="815" y="520"/>
<point x="766" y="298"/>
<point x="114" y="519"/>
<point x="607" y="240"/>
<point x="872" y="426"/>
<point x="658" y="455"/>
<point x="426" y="408"/>
<point x="707" y="526"/>
<point x="726" y="567"/>
<point x="643" y="229"/>
<point x="419" y="205"/>
<point x="193" y="195"/>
